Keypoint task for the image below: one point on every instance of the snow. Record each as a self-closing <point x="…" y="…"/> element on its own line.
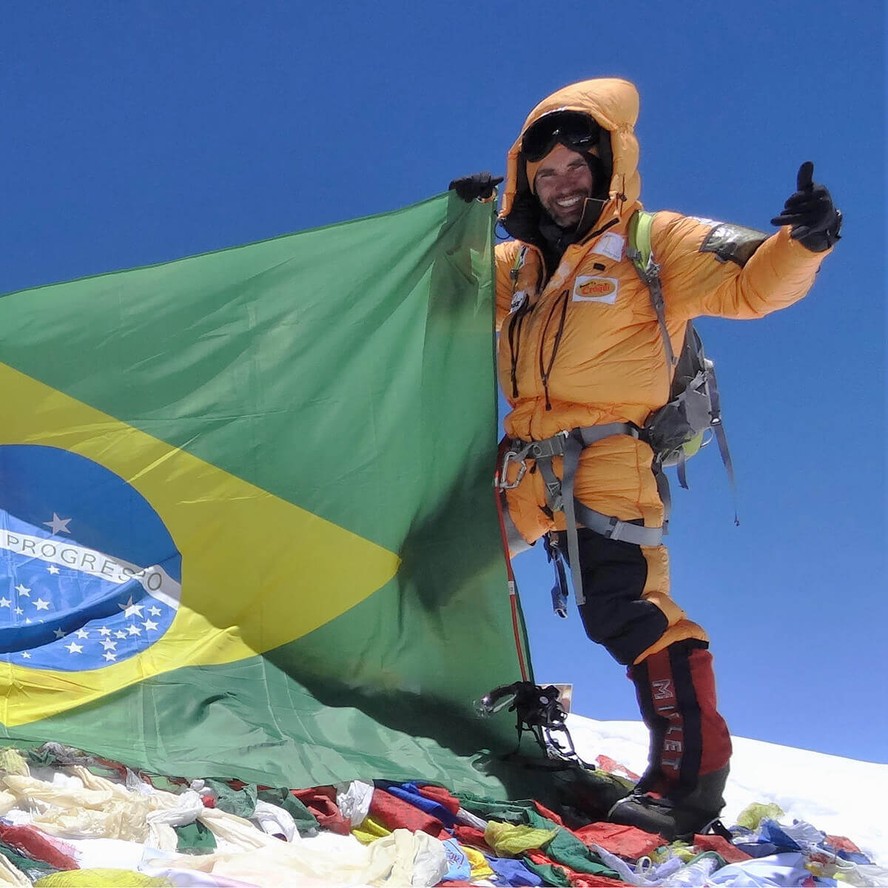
<point x="839" y="796"/>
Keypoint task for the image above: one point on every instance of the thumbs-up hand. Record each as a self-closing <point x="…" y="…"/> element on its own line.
<point x="810" y="211"/>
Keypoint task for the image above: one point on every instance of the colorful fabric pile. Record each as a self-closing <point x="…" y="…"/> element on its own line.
<point x="71" y="819"/>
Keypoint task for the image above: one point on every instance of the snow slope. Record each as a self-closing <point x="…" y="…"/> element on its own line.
<point x="837" y="795"/>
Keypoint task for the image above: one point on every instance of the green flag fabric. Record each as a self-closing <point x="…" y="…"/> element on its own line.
<point x="248" y="527"/>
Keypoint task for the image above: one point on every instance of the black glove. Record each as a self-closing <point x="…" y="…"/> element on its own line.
<point x="810" y="211"/>
<point x="470" y="188"/>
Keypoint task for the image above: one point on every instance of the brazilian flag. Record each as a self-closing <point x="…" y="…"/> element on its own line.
<point x="247" y="527"/>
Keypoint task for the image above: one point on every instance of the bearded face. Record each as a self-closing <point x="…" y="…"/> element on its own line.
<point x="562" y="183"/>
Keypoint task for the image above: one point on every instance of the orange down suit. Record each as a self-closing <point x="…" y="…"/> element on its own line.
<point x="586" y="348"/>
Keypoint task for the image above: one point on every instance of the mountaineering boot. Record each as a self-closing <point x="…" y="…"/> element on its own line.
<point x="681" y="790"/>
<point x="678" y="816"/>
<point x="587" y="794"/>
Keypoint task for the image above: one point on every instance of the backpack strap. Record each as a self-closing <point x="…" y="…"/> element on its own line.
<point x="515" y="270"/>
<point x="640" y="252"/>
<point x="718" y="429"/>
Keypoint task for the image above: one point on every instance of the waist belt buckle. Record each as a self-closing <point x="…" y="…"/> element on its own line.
<point x="549" y="447"/>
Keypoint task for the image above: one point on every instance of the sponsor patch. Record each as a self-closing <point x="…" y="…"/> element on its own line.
<point x="610" y="245"/>
<point x="591" y="288"/>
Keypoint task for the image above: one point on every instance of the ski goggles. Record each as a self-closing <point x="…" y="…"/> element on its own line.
<point x="573" y="129"/>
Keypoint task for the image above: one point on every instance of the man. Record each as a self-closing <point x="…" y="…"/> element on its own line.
<point x="580" y="347"/>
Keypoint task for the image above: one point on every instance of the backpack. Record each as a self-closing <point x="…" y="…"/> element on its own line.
<point x="692" y="416"/>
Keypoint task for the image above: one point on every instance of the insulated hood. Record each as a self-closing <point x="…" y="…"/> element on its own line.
<point x="613" y="103"/>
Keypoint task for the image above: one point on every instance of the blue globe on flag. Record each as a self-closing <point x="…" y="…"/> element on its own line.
<point x="89" y="574"/>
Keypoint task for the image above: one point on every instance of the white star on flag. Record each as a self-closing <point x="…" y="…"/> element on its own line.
<point x="131" y="610"/>
<point x="23" y="590"/>
<point x="134" y="629"/>
<point x="57" y="525"/>
<point x="18" y="611"/>
<point x="58" y="633"/>
<point x="5" y="602"/>
<point x="104" y="631"/>
<point x="74" y="648"/>
<point x="109" y="656"/>
<point x="26" y="655"/>
<point x="154" y="611"/>
<point x="41" y="604"/>
<point x="82" y="633"/>
<point x="109" y="645"/>
<point x="150" y="625"/>
<point x="53" y="569"/>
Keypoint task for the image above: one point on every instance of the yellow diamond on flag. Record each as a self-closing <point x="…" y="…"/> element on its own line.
<point x="257" y="571"/>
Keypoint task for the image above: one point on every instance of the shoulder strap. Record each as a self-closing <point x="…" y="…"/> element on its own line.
<point x="517" y="263"/>
<point x="640" y="236"/>
<point x="640" y="251"/>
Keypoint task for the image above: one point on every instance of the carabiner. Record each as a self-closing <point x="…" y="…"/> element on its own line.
<point x="510" y="457"/>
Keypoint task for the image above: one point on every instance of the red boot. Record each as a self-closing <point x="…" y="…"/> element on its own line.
<point x="680" y="793"/>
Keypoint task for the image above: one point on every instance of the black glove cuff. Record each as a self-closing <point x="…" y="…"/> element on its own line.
<point x="821" y="241"/>
<point x="480" y="186"/>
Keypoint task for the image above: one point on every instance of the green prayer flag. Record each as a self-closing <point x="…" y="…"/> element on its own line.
<point x="248" y="524"/>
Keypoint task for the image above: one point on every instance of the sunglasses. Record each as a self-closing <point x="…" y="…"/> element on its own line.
<point x="573" y="129"/>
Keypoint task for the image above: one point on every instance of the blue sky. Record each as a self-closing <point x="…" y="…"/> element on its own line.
<point x="138" y="132"/>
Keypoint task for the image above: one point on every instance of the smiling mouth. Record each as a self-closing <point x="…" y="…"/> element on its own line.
<point x="568" y="202"/>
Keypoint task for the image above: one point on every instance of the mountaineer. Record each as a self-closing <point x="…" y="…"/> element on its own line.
<point x="584" y="360"/>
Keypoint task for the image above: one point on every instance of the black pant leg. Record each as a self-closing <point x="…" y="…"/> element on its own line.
<point x="614" y="614"/>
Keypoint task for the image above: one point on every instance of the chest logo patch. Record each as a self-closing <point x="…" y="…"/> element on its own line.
<point x="610" y="245"/>
<point x="591" y="288"/>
